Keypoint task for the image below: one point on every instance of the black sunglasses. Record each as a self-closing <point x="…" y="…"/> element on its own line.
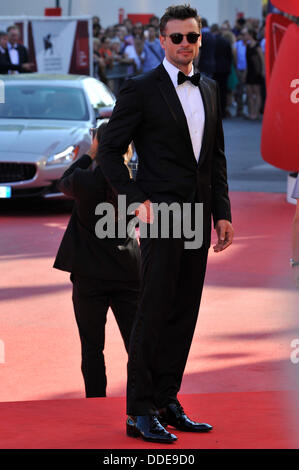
<point x="178" y="37"/>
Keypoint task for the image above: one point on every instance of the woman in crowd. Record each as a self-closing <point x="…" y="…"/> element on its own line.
<point x="105" y="51"/>
<point x="255" y="74"/>
<point x="99" y="65"/>
<point x="134" y="56"/>
<point x="232" y="81"/>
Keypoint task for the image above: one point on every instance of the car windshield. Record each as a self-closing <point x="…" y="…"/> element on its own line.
<point x="44" y="102"/>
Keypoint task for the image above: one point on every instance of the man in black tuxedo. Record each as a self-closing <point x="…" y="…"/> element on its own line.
<point x="18" y="54"/>
<point x="175" y="121"/>
<point x="5" y="64"/>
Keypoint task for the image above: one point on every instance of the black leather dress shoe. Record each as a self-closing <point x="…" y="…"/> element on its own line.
<point x="149" y="428"/>
<point x="174" y="415"/>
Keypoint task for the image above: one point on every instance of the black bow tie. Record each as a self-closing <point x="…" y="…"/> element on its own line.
<point x="183" y="78"/>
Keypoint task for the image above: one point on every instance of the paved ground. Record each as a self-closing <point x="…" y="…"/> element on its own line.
<point x="36" y="300"/>
<point x="242" y="341"/>
<point x="247" y="171"/>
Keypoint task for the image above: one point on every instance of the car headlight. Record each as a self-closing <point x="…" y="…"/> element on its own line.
<point x="65" y="157"/>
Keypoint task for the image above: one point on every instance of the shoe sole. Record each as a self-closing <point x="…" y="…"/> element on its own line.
<point x="165" y="425"/>
<point x="191" y="430"/>
<point x="133" y="432"/>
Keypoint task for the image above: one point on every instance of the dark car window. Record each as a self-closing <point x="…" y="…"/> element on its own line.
<point x="44" y="102"/>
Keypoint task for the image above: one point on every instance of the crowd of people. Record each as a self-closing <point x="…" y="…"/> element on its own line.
<point x="13" y="55"/>
<point x="125" y="50"/>
<point x="232" y="55"/>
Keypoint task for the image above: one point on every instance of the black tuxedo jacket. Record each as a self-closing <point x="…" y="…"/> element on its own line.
<point x="6" y="65"/>
<point x="81" y="251"/>
<point x="148" y="111"/>
<point x="23" y="54"/>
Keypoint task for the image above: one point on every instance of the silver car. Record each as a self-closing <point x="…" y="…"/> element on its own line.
<point x="44" y="127"/>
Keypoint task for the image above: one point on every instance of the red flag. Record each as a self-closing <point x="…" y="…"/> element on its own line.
<point x="280" y="136"/>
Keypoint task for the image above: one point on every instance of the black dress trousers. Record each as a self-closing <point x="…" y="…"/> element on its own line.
<point x="92" y="299"/>
<point x="172" y="281"/>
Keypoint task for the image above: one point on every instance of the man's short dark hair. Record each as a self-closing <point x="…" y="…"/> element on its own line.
<point x="179" y="12"/>
<point x="241" y="22"/>
<point x="2" y="33"/>
<point x="204" y="23"/>
<point x="215" y="29"/>
<point x="14" y="26"/>
<point x="252" y="33"/>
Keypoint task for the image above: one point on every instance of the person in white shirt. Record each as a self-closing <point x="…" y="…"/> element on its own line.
<point x="241" y="68"/>
<point x="6" y="66"/>
<point x="134" y="56"/>
<point x="18" y="53"/>
<point x="154" y="53"/>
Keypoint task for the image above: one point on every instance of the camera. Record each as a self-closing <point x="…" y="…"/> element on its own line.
<point x="93" y="131"/>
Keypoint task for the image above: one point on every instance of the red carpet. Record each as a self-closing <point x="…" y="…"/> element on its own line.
<point x="241" y="421"/>
<point x="242" y="343"/>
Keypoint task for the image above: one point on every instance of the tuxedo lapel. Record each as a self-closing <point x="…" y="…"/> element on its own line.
<point x="7" y="56"/>
<point x="172" y="100"/>
<point x="207" y="103"/>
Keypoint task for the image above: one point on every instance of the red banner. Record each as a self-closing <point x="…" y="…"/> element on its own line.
<point x="80" y="56"/>
<point x="60" y="46"/>
<point x="288" y="6"/>
<point x="276" y="27"/>
<point x="53" y="11"/>
<point x="280" y="137"/>
<point x="138" y="17"/>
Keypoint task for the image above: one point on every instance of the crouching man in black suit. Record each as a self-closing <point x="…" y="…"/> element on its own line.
<point x="104" y="272"/>
<point x="174" y="118"/>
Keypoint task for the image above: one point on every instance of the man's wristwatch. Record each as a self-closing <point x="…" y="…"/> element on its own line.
<point x="293" y="263"/>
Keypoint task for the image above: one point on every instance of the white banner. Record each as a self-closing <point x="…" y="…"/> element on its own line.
<point x="5" y="24"/>
<point x="53" y="43"/>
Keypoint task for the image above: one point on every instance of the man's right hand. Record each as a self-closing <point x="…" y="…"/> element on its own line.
<point x="145" y="212"/>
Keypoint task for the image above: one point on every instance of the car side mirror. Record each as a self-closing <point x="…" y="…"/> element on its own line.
<point x="104" y="112"/>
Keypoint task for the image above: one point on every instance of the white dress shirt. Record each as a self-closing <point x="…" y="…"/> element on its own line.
<point x="13" y="54"/>
<point x="191" y="101"/>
